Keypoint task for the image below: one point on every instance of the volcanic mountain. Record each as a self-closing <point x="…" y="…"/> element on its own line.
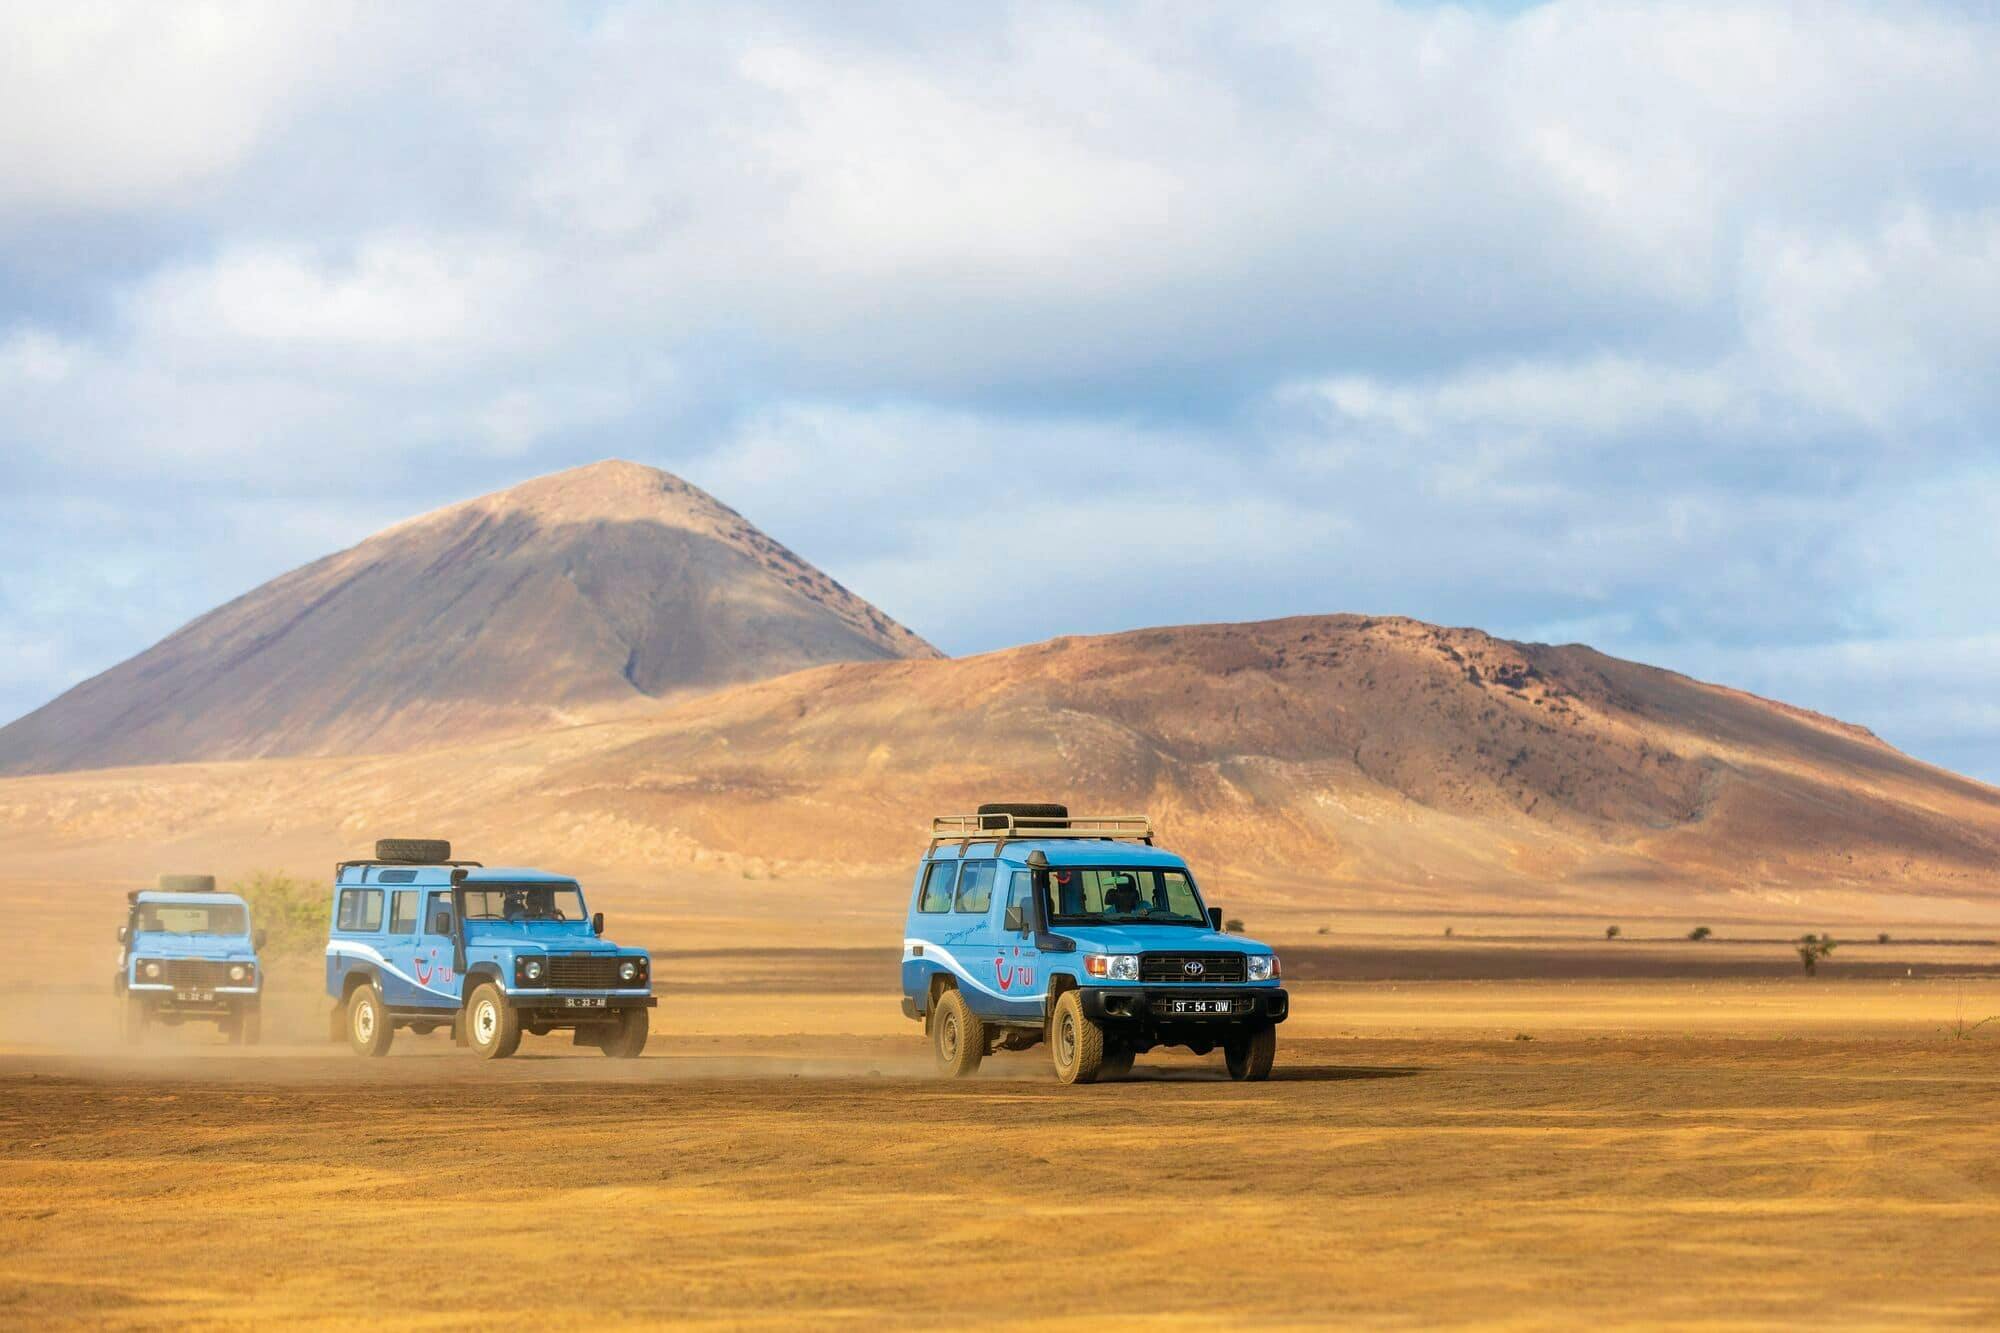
<point x="562" y="597"/>
<point x="1311" y="764"/>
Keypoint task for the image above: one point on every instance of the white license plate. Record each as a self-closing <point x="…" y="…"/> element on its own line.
<point x="583" y="1002"/>
<point x="194" y="996"/>
<point x="1197" y="1006"/>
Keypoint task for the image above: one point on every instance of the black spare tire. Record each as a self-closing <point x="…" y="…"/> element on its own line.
<point x="413" y="851"/>
<point x="1020" y="810"/>
<point x="187" y="884"/>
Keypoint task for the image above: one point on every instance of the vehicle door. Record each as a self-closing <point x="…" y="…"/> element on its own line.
<point x="436" y="944"/>
<point x="1017" y="962"/>
<point x="973" y="940"/>
<point x="399" y="949"/>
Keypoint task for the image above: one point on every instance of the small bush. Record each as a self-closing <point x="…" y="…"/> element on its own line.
<point x="1812" y="950"/>
<point x="1447" y="932"/>
<point x="1233" y="926"/>
<point x="1611" y="932"/>
<point x="1700" y="933"/>
<point x="1883" y="938"/>
<point x="293" y="913"/>
<point x="1326" y="930"/>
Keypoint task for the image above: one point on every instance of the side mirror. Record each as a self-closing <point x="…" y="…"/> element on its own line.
<point x="1215" y="918"/>
<point x="1013" y="919"/>
<point x="262" y="935"/>
<point x="124" y="934"/>
<point x="597" y="923"/>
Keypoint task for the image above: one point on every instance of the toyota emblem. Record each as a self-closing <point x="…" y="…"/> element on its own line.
<point x="1192" y="967"/>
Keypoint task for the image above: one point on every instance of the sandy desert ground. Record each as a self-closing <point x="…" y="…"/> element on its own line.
<point x="1719" y="1140"/>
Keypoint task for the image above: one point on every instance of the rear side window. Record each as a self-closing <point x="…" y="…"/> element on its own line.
<point x="403" y="912"/>
<point x="360" y="909"/>
<point x="938" y="877"/>
<point x="975" y="887"/>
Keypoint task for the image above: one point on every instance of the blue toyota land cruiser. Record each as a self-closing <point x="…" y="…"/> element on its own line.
<point x="186" y="953"/>
<point x="1028" y="925"/>
<point x="421" y="941"/>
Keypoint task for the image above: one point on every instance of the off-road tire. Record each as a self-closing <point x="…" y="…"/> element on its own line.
<point x="1249" y="1057"/>
<point x="369" y="1030"/>
<point x="958" y="1037"/>
<point x="413" y="851"/>
<point x="1021" y="809"/>
<point x="187" y="884"/>
<point x="133" y="1019"/>
<point x="248" y="1029"/>
<point x="626" y="1039"/>
<point x="1117" y="1063"/>
<point x="492" y="1029"/>
<point x="1076" y="1045"/>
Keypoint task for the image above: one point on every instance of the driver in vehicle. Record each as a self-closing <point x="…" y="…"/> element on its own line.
<point x="1123" y="896"/>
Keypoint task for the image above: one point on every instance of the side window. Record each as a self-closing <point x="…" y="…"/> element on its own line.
<point x="360" y="909"/>
<point x="938" y="877"/>
<point x="1020" y="888"/>
<point x="403" y="912"/>
<point x="975" y="887"/>
<point x="440" y="914"/>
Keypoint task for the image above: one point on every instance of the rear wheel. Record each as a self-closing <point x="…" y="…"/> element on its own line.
<point x="491" y="1028"/>
<point x="1249" y="1058"/>
<point x="1075" y="1043"/>
<point x="368" y="1028"/>
<point x="626" y="1038"/>
<point x="957" y="1036"/>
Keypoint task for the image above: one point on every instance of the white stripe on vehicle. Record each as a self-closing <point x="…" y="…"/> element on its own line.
<point x="943" y="955"/>
<point x="370" y="954"/>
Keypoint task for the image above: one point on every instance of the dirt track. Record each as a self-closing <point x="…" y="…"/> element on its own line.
<point x="1638" y="1175"/>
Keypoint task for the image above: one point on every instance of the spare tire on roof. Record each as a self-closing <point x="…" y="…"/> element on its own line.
<point x="187" y="884"/>
<point x="1020" y="810"/>
<point x="413" y="851"/>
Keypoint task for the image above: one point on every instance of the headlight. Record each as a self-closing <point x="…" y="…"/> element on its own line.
<point x="239" y="973"/>
<point x="532" y="970"/>
<point x="152" y="971"/>
<point x="1114" y="966"/>
<point x="1263" y="966"/>
<point x="627" y="970"/>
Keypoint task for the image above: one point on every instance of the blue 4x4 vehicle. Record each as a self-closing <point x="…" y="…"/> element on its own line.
<point x="1027" y="925"/>
<point x="187" y="953"/>
<point x="421" y="941"/>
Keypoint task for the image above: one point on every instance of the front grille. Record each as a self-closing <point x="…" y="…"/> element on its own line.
<point x="196" y="973"/>
<point x="584" y="971"/>
<point x="1190" y="968"/>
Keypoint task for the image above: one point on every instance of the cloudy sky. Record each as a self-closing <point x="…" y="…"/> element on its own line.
<point x="1671" y="329"/>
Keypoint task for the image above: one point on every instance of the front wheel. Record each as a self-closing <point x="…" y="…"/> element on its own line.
<point x="1075" y="1043"/>
<point x="369" y="1030"/>
<point x="627" y="1038"/>
<point x="957" y="1036"/>
<point x="1249" y="1058"/>
<point x="491" y="1028"/>
<point x="133" y="1019"/>
<point x="249" y="1026"/>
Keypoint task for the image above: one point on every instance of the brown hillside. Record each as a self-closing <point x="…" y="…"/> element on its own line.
<point x="591" y="588"/>
<point x="1321" y="762"/>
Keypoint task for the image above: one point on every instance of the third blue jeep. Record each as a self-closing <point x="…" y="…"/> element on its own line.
<point x="421" y="941"/>
<point x="1028" y="925"/>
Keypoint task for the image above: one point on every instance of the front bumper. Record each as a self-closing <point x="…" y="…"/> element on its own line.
<point x="194" y="1001"/>
<point x="1114" y="1006"/>
<point x="579" y="1003"/>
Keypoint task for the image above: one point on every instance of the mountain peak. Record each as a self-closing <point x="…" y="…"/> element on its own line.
<point x="596" y="588"/>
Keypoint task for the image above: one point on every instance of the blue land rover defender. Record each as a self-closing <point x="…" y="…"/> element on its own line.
<point x="1027" y="925"/>
<point x="187" y="954"/>
<point x="421" y="941"/>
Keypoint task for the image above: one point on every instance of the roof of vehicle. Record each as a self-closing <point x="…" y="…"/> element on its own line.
<point x="1063" y="852"/>
<point x="439" y="876"/>
<point x="187" y="899"/>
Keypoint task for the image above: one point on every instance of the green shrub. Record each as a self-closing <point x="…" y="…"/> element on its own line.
<point x="293" y="913"/>
<point x="1234" y="925"/>
<point x="1812" y="949"/>
<point x="1700" y="933"/>
<point x="1611" y="932"/>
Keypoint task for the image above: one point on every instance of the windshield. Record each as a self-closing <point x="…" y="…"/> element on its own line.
<point x="1078" y="896"/>
<point x="524" y="902"/>
<point x="205" y="919"/>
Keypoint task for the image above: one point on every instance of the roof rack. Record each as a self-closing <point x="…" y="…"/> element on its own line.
<point x="1005" y="828"/>
<point x="341" y="867"/>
